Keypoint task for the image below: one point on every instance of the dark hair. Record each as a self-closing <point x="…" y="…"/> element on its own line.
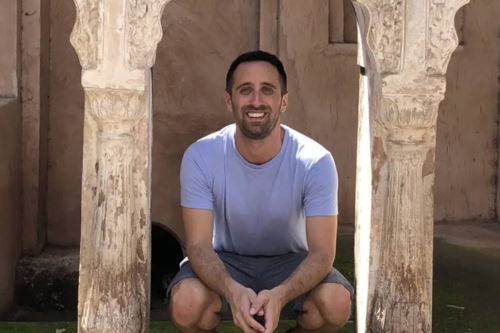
<point x="253" y="56"/>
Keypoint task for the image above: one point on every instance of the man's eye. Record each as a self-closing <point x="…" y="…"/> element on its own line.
<point x="246" y="90"/>
<point x="267" y="90"/>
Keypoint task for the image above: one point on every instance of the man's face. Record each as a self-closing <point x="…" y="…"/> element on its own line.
<point x="256" y="100"/>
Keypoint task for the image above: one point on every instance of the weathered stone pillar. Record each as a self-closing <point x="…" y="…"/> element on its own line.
<point x="405" y="48"/>
<point x="116" y="44"/>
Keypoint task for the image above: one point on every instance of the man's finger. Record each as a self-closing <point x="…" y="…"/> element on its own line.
<point x="243" y="325"/>
<point x="250" y="321"/>
<point x="258" y="304"/>
<point x="270" y="322"/>
<point x="270" y="327"/>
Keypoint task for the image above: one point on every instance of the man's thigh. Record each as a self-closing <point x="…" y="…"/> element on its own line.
<point x="237" y="268"/>
<point x="277" y="269"/>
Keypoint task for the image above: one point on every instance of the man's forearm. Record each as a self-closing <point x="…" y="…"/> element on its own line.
<point x="308" y="275"/>
<point x="210" y="270"/>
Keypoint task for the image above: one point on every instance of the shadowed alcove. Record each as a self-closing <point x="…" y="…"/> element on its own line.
<point x="166" y="255"/>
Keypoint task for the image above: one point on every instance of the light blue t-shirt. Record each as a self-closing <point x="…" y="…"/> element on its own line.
<point x="259" y="210"/>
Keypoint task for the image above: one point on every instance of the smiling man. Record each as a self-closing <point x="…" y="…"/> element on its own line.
<point x="259" y="203"/>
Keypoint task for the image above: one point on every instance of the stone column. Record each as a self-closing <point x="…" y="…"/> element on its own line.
<point x="116" y="44"/>
<point x="405" y="48"/>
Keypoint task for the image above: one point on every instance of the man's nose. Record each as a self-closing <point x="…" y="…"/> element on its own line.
<point x="257" y="99"/>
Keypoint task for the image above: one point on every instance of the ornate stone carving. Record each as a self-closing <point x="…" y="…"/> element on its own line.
<point x="386" y="33"/>
<point x="142" y="21"/>
<point x="108" y="105"/>
<point x="86" y="36"/>
<point x="410" y="111"/>
<point x="442" y="39"/>
<point x="144" y="31"/>
<point x="408" y="118"/>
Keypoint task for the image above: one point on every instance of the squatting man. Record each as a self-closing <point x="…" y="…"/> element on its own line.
<point x="259" y="205"/>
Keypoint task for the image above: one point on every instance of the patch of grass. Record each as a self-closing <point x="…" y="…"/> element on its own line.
<point x="462" y="278"/>
<point x="156" y="327"/>
<point x="469" y="279"/>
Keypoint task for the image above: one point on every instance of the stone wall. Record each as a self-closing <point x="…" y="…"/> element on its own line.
<point x="200" y="40"/>
<point x="10" y="149"/>
<point x="10" y="197"/>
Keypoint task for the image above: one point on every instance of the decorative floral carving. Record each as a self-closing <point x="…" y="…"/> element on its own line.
<point x="442" y="37"/>
<point x="386" y="33"/>
<point x="410" y="111"/>
<point x="116" y="105"/>
<point x="144" y="31"/>
<point x="86" y="36"/>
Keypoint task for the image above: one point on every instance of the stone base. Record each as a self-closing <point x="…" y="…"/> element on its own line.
<point x="49" y="282"/>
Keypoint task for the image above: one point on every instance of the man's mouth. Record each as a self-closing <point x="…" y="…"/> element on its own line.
<point x="256" y="115"/>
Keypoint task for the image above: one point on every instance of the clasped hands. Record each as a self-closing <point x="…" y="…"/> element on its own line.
<point x="245" y="304"/>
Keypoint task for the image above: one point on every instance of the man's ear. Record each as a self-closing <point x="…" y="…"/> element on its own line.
<point x="284" y="103"/>
<point x="227" y="100"/>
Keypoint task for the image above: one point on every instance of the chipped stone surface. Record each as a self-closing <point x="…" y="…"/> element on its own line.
<point x="406" y="50"/>
<point x="116" y="45"/>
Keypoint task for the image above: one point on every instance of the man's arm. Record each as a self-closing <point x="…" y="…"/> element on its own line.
<point x="321" y="237"/>
<point x="197" y="212"/>
<point x="321" y="208"/>
<point x="198" y="225"/>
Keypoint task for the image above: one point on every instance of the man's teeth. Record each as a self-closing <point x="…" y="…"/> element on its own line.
<point x="255" y="115"/>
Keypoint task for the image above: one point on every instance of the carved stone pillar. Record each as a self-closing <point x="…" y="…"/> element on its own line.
<point x="116" y="44"/>
<point x="405" y="48"/>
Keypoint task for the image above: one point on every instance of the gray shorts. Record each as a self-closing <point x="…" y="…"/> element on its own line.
<point x="259" y="273"/>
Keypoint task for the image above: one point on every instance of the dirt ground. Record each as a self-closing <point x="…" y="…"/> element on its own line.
<point x="466" y="281"/>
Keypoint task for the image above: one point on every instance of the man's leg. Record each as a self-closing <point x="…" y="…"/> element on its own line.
<point x="193" y="306"/>
<point x="325" y="308"/>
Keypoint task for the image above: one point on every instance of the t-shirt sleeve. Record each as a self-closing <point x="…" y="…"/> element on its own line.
<point x="321" y="188"/>
<point x="196" y="188"/>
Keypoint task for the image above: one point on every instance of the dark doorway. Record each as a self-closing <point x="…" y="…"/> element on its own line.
<point x="166" y="255"/>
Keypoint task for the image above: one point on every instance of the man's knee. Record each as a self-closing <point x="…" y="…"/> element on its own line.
<point x="327" y="304"/>
<point x="334" y="303"/>
<point x="190" y="300"/>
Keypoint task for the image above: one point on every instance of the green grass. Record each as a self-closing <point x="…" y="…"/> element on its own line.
<point x="462" y="277"/>
<point x="467" y="279"/>
<point x="156" y="327"/>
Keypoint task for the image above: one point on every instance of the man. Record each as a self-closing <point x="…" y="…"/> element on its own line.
<point x="259" y="203"/>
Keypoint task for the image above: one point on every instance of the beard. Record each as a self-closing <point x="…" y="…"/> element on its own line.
<point x="256" y="131"/>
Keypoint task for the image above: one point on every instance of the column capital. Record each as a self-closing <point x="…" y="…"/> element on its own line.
<point x="396" y="39"/>
<point x="116" y="41"/>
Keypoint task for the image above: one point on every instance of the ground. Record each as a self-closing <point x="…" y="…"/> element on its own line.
<point x="466" y="286"/>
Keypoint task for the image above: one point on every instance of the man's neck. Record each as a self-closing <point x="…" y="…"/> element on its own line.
<point x="260" y="151"/>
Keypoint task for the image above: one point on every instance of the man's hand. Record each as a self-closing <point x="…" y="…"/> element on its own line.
<point x="240" y="300"/>
<point x="268" y="302"/>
